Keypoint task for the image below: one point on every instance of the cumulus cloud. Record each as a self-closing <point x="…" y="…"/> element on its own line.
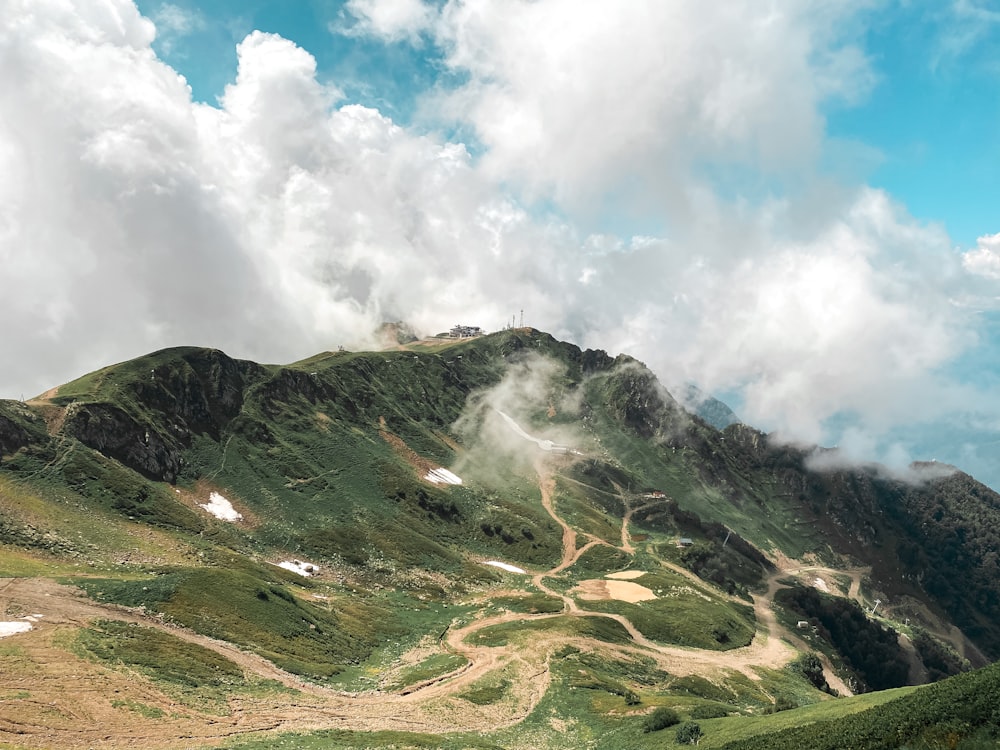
<point x="286" y="220"/>
<point x="574" y="101"/>
<point x="985" y="259"/>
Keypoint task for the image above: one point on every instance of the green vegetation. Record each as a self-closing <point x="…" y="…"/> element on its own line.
<point x="485" y="695"/>
<point x="810" y="667"/>
<point x="726" y="567"/>
<point x="940" y="659"/>
<point x="936" y="716"/>
<point x="661" y="718"/>
<point x="158" y="655"/>
<point x="150" y="712"/>
<point x="430" y="668"/>
<point x="869" y="649"/>
<point x="326" y="458"/>
<point x="709" y="711"/>
<point x="689" y="733"/>
<point x="682" y="615"/>
<point x="592" y="680"/>
<point x="345" y="740"/>
<point x="243" y="608"/>
<point x="601" y="628"/>
<point x="533" y="604"/>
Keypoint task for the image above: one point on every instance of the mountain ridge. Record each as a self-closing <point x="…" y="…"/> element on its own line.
<point x="329" y="460"/>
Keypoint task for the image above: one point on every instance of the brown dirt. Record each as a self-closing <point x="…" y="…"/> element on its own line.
<point x="626" y="591"/>
<point x="51" y="698"/>
<point x="422" y="465"/>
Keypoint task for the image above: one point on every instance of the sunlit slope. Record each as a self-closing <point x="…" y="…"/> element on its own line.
<point x="456" y="516"/>
<point x="328" y="457"/>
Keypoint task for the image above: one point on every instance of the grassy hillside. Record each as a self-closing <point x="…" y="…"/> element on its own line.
<point x="578" y="472"/>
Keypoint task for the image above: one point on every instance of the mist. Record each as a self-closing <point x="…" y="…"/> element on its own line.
<point x="528" y="418"/>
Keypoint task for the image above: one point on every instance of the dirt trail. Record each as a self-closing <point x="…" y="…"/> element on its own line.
<point x="766" y="649"/>
<point x="62" y="605"/>
<point x="73" y="700"/>
<point x="763" y="610"/>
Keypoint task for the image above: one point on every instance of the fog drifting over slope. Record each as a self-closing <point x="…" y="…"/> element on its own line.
<point x="286" y="220"/>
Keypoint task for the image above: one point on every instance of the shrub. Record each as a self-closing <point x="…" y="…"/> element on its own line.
<point x="661" y="718"/>
<point x="689" y="733"/>
<point x="809" y="666"/>
<point x="709" y="711"/>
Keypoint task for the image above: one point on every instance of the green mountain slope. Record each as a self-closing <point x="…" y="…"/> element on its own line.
<point x="168" y="488"/>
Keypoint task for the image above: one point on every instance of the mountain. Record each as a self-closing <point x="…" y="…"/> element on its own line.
<point x="714" y="412"/>
<point x="499" y="541"/>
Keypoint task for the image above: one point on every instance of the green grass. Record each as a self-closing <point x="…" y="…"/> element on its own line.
<point x="431" y="667"/>
<point x="157" y="654"/>
<point x="584" y="511"/>
<point x="533" y="604"/>
<point x="720" y="732"/>
<point x="242" y="607"/>
<point x="300" y="448"/>
<point x="600" y="560"/>
<point x="192" y="674"/>
<point x="599" y="628"/>
<point x="486" y="695"/>
<point x="149" y="712"/>
<point x="681" y="615"/>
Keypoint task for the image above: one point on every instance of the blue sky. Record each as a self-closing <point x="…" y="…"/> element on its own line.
<point x="387" y="76"/>
<point x="933" y="115"/>
<point x="927" y="132"/>
<point x="792" y="205"/>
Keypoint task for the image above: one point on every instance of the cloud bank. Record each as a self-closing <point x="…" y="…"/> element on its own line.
<point x="287" y="220"/>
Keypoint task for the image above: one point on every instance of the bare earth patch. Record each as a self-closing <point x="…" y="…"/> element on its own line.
<point x="626" y="591"/>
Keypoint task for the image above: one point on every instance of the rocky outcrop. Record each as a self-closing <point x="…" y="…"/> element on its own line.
<point x="154" y="418"/>
<point x="18" y="427"/>
<point x="117" y="434"/>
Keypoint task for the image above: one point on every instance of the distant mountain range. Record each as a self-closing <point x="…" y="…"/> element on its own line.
<point x="499" y="541"/>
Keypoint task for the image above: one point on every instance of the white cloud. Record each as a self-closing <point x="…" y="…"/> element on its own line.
<point x="284" y="221"/>
<point x="174" y="22"/>
<point x="393" y="20"/>
<point x="272" y="226"/>
<point x="961" y="27"/>
<point x="173" y="19"/>
<point x="985" y="259"/>
<point x="573" y="100"/>
<point x="856" y="318"/>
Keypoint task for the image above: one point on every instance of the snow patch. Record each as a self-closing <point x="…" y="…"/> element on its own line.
<point x="221" y="508"/>
<point x="442" y="476"/>
<point x="505" y="566"/>
<point x="10" y="628"/>
<point x="821" y="585"/>
<point x="305" y="569"/>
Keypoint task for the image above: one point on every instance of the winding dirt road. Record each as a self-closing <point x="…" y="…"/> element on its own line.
<point x="51" y="698"/>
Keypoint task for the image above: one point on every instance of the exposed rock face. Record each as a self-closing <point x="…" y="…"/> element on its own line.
<point x="17" y="425"/>
<point x="115" y="433"/>
<point x="197" y="393"/>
